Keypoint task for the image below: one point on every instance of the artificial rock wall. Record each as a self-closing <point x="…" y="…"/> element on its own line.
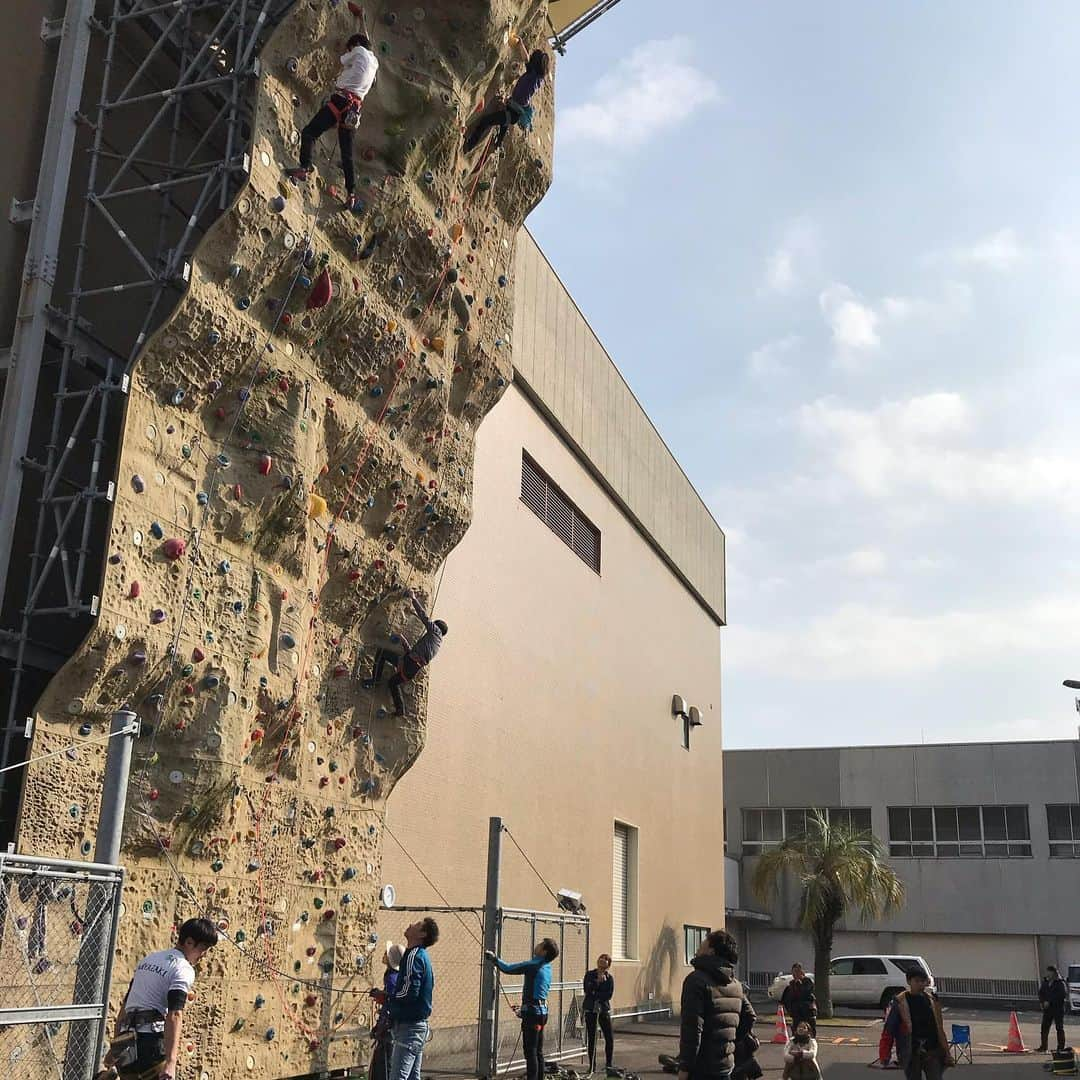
<point x="288" y="467"/>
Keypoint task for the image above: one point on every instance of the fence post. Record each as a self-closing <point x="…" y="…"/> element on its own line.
<point x="94" y="966"/>
<point x="487" y="1049"/>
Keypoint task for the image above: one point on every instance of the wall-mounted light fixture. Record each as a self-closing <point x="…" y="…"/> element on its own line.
<point x="694" y="716"/>
<point x="678" y="706"/>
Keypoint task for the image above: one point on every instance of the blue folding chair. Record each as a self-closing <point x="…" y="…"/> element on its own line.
<point x="960" y="1044"/>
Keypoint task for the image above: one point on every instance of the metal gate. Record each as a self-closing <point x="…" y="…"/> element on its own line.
<point x="518" y="933"/>
<point x="58" y="923"/>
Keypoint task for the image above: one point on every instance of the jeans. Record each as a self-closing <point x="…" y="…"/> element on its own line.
<point x="318" y="126"/>
<point x="532" y="1042"/>
<point x="604" y="1020"/>
<point x="406" y="670"/>
<point x="1055" y="1016"/>
<point x="409" y="1043"/>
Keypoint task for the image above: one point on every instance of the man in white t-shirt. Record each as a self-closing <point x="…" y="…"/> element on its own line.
<point x="342" y="109"/>
<point x="148" y="1030"/>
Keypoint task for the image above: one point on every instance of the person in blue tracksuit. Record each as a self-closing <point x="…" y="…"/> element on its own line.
<point x="534" y="1010"/>
<point x="410" y="1006"/>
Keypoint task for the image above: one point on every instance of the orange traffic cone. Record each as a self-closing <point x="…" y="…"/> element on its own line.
<point x="1016" y="1040"/>
<point x="783" y="1032"/>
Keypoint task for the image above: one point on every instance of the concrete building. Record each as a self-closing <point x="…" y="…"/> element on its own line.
<point x="984" y="836"/>
<point x="551" y="702"/>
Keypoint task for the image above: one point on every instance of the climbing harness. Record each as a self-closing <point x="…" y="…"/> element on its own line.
<point x="348" y="115"/>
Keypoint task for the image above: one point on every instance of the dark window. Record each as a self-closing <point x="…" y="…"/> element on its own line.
<point x="775" y="825"/>
<point x="949" y="832"/>
<point x="842" y="967"/>
<point x="547" y="501"/>
<point x="1063" y="825"/>
<point x="868" y="965"/>
<point x="906" y="964"/>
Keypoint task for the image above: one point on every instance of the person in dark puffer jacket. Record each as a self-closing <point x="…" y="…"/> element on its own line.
<point x="715" y="1011"/>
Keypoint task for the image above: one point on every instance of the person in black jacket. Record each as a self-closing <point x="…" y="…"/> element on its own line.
<point x="716" y="1012"/>
<point x="408" y="664"/>
<point x="1053" y="993"/>
<point x="599" y="987"/>
<point x="798" y="1000"/>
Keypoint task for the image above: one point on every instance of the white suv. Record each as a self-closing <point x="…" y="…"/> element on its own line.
<point x="869" y="981"/>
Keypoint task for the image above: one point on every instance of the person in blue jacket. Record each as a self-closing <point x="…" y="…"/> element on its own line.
<point x="410" y="1006"/>
<point x="534" y="1010"/>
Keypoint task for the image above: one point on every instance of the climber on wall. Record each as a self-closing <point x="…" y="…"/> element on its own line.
<point x="343" y="108"/>
<point x="516" y="108"/>
<point x="412" y="660"/>
<point x="147" y="1041"/>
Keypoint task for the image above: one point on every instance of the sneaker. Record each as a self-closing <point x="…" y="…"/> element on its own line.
<point x="299" y="175"/>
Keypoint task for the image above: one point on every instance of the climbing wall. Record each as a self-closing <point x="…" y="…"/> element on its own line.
<point x="297" y="451"/>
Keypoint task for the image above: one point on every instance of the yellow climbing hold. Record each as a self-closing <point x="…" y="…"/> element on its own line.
<point x="457" y="231"/>
<point x="438" y="344"/>
<point x="420" y="479"/>
<point x="317" y="506"/>
<point x="391" y="326"/>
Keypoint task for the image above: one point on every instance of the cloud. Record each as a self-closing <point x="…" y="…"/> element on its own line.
<point x="853" y="322"/>
<point x="770" y="360"/>
<point x="866" y="562"/>
<point x="1001" y="250"/>
<point x="780" y="271"/>
<point x="876" y="642"/>
<point x="927" y="445"/>
<point x="654" y="89"/>
<point x="782" y="267"/>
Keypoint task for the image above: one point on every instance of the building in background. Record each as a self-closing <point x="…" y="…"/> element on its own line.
<point x="588" y="591"/>
<point x="986" y="838"/>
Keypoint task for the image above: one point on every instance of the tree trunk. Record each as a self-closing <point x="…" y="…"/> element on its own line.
<point x="823" y="942"/>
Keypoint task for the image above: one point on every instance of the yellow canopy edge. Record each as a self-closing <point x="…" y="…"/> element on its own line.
<point x="563" y="12"/>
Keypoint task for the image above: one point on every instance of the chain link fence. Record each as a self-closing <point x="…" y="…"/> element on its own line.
<point x="57" y="936"/>
<point x="519" y="933"/>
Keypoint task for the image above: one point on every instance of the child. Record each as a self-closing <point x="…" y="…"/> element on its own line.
<point x="800" y="1055"/>
<point x="379" y="1068"/>
<point x="516" y="109"/>
<point x="343" y="109"/>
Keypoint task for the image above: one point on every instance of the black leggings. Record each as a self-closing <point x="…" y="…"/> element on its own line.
<point x="532" y="1042"/>
<point x="591" y="1020"/>
<point x="500" y="117"/>
<point x="406" y="669"/>
<point x="1055" y="1017"/>
<point x="317" y="127"/>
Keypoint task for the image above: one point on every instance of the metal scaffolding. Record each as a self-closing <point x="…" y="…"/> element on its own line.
<point x="127" y="188"/>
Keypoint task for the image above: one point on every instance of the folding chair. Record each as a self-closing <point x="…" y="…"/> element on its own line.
<point x="960" y="1044"/>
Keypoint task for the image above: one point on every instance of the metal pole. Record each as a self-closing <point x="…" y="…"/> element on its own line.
<point x="24" y="373"/>
<point x="95" y="955"/>
<point x="487" y="1053"/>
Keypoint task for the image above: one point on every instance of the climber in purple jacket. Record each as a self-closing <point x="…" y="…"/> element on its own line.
<point x="517" y="108"/>
<point x="409" y="663"/>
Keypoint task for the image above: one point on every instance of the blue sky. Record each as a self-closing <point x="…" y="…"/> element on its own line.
<point x="854" y="230"/>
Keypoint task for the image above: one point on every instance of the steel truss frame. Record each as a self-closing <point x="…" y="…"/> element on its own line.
<point x="168" y="140"/>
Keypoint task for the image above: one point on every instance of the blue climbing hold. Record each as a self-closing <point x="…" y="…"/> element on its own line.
<point x="288" y="641"/>
<point x="223" y="460"/>
<point x="178" y="397"/>
<point x="503" y="281"/>
<point x="376" y="391"/>
<point x="214" y="337"/>
<point x="202" y="498"/>
<point x="224" y="566"/>
<point x="243" y="303"/>
<point x="260" y="1001"/>
<point x="277" y="204"/>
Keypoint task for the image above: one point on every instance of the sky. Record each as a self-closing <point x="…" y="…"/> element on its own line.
<point x="835" y="251"/>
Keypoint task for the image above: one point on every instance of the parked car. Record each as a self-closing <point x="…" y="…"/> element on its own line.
<point x="871" y="981"/>
<point x="1073" y="981"/>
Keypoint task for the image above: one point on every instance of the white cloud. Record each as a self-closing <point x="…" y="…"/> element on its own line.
<point x="865" y="562"/>
<point x="927" y="445"/>
<point x="853" y="322"/>
<point x="770" y="360"/>
<point x="780" y="271"/>
<point x="875" y="642"/>
<point x="1000" y="250"/>
<point x="651" y="91"/>
<point x="785" y="266"/>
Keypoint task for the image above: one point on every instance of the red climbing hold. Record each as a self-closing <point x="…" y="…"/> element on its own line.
<point x="310" y="1000"/>
<point x="321" y="292"/>
<point x="174" y="549"/>
<point x="266" y="462"/>
<point x="135" y="589"/>
<point x="356" y="9"/>
<point x="197" y="655"/>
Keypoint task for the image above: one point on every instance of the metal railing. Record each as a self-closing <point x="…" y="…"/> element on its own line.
<point x="995" y="989"/>
<point x="58" y="921"/>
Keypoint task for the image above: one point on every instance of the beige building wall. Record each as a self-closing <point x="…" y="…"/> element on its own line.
<point x="550" y="706"/>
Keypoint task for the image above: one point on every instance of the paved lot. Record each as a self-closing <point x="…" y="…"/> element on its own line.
<point x="637" y="1045"/>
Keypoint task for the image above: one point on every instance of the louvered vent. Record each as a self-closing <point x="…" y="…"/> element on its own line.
<point x="560" y="515"/>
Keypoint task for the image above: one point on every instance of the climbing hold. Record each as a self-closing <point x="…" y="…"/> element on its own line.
<point x="211" y="682"/>
<point x="174" y="549"/>
<point x="457" y="231"/>
<point x="154" y="794"/>
<point x="223" y="461"/>
<point x="134" y="590"/>
<point x="452" y="275"/>
<point x="316" y="506"/>
<point x="157" y="616"/>
<point x="202" y="498"/>
<point x="243" y="303"/>
<point x="85" y="729"/>
<point x="503" y="281"/>
<point x="277" y="204"/>
<point x="376" y="391"/>
<point x="288" y="641"/>
<point x="138" y="483"/>
<point x="138" y="657"/>
<point x="292" y="65"/>
<point x="260" y="1001"/>
<point x="265" y="464"/>
<point x="177" y="397"/>
<point x="214" y="337"/>
<point x="321" y="292"/>
<point x="271" y="1034"/>
<point x="156" y="530"/>
<point x="224" y="566"/>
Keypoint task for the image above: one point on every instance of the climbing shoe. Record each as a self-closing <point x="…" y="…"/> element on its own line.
<point x="298" y="175"/>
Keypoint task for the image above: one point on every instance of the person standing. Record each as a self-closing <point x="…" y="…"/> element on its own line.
<point x="798" y="1000"/>
<point x="534" y="1010"/>
<point x="383" y="1043"/>
<point x="413" y="660"/>
<point x="342" y="109"/>
<point x="924" y="1049"/>
<point x="715" y="1011"/>
<point x="516" y="109"/>
<point x="410" y="1007"/>
<point x="152" y="1015"/>
<point x="1053" y="993"/>
<point x="599" y="987"/>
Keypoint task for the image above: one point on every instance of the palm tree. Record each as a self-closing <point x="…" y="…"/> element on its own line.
<point x="839" y="869"/>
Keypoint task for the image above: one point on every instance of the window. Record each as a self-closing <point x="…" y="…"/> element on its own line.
<point x="1063" y="825"/>
<point x="842" y="967"/>
<point x="906" y="963"/>
<point x="868" y="965"/>
<point x="624" y="893"/>
<point x="770" y="826"/>
<point x="693" y="936"/>
<point x="540" y="494"/>
<point x="944" y="832"/>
